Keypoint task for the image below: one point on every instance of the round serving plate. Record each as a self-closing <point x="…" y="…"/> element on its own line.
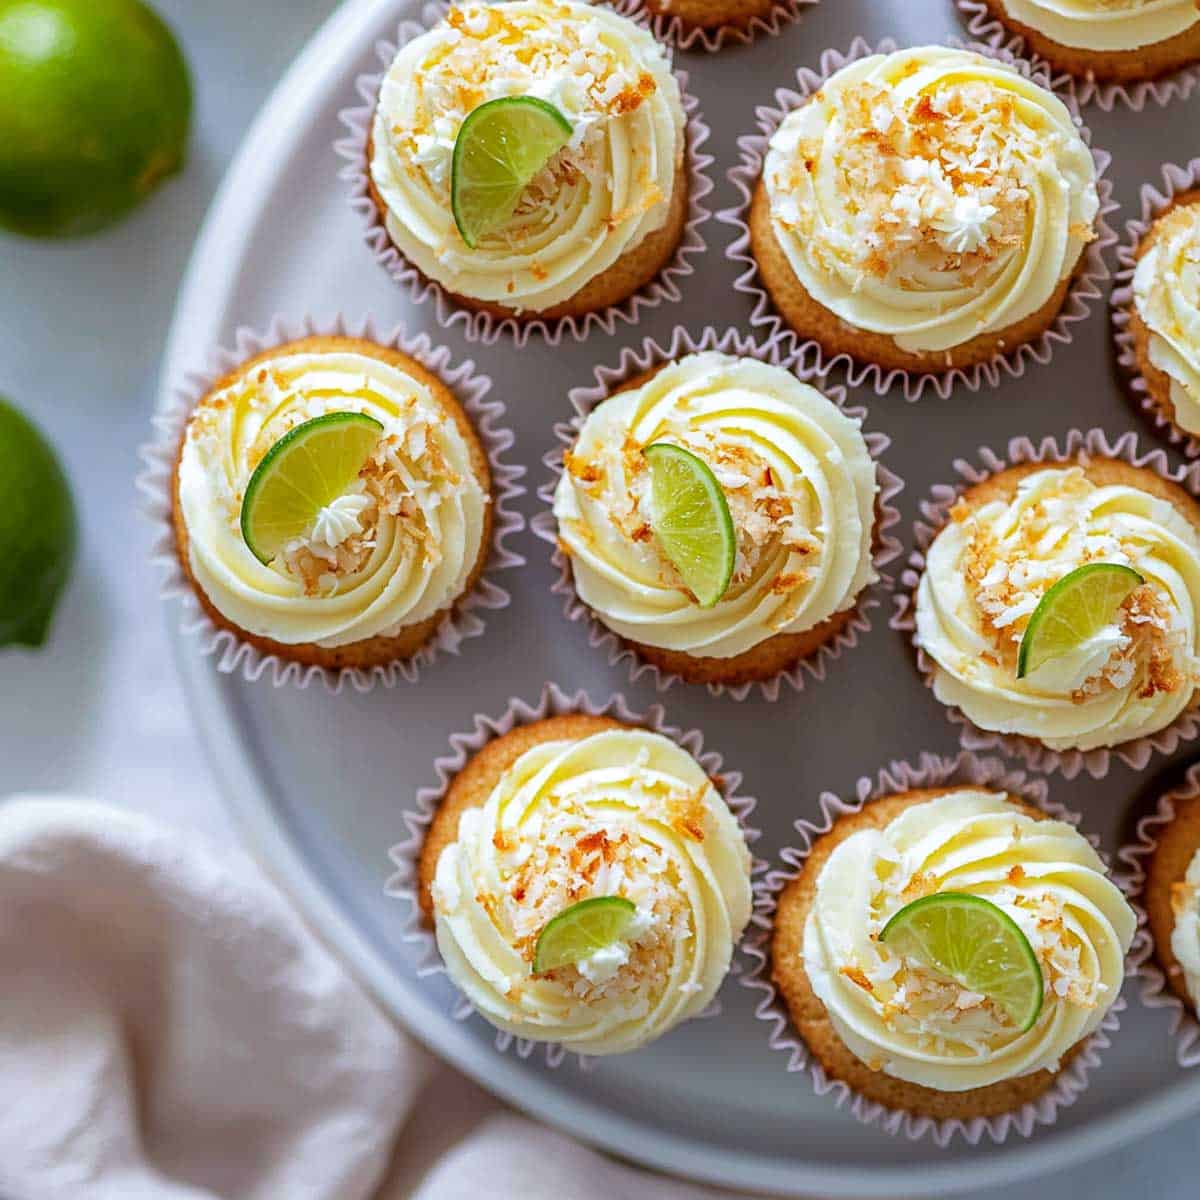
<point x="318" y="782"/>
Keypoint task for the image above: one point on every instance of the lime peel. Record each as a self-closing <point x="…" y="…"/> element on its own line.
<point x="579" y="931"/>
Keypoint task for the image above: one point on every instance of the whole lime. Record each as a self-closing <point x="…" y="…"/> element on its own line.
<point x="37" y="530"/>
<point x="95" y="103"/>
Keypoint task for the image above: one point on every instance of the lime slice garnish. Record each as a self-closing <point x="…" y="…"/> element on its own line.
<point x="691" y="520"/>
<point x="500" y="147"/>
<point x="308" y="468"/>
<point x="1076" y="608"/>
<point x="579" y="931"/>
<point x="977" y="945"/>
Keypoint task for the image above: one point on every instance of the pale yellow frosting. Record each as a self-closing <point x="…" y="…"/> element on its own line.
<point x="801" y="489"/>
<point x="598" y="198"/>
<point x="1166" y="293"/>
<point x="931" y="194"/>
<point x="985" y="573"/>
<point x="907" y="1019"/>
<point x="1105" y="25"/>
<point x="399" y="547"/>
<point x="618" y="813"/>
<point x="1185" y="936"/>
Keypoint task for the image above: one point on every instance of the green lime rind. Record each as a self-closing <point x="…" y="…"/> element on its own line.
<point x="581" y="930"/>
<point x="308" y="468"/>
<point x="501" y="146"/>
<point x="975" y="943"/>
<point x="690" y="517"/>
<point x="1077" y="607"/>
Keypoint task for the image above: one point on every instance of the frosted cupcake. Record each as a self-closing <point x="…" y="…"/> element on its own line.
<point x="902" y="1020"/>
<point x="574" y="821"/>
<point x="719" y="17"/>
<point x="924" y="210"/>
<point x="1060" y="602"/>
<point x="369" y="575"/>
<point x="594" y="221"/>
<point x="795" y="481"/>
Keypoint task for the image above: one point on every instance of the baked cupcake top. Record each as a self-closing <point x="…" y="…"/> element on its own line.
<point x="986" y="572"/>
<point x="912" y="1022"/>
<point x="797" y="476"/>
<point x="1166" y="294"/>
<point x="933" y="195"/>
<point x="1105" y="25"/>
<point x="605" y="191"/>
<point x="622" y="813"/>
<point x="1185" y="937"/>
<point x="397" y="548"/>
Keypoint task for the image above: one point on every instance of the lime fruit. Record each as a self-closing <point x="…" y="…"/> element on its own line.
<point x="579" y="931"/>
<point x="690" y="517"/>
<point x="500" y="147"/>
<point x="95" y="102"/>
<point x="977" y="945"/>
<point x="37" y="531"/>
<point x="308" y="468"/>
<point x="1076" y="608"/>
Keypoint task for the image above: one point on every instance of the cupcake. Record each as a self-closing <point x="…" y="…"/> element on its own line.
<point x="1110" y="657"/>
<point x="890" y="1017"/>
<point x="925" y="210"/>
<point x="596" y="220"/>
<point x="714" y="22"/>
<point x="382" y="564"/>
<point x="796" y="479"/>
<point x="567" y="817"/>
<point x="1123" y="42"/>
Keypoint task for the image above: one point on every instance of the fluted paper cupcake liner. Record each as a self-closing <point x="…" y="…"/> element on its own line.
<point x="676" y="32"/>
<point x="1106" y="94"/>
<point x="1184" y="1028"/>
<point x="403" y="885"/>
<point x="231" y="652"/>
<point x="1154" y="202"/>
<point x="930" y="770"/>
<point x="935" y="511"/>
<point x="1085" y="287"/>
<point x="633" y="362"/>
<point x="484" y="327"/>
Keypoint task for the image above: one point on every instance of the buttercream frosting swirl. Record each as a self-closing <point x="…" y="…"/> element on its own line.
<point x="1185" y="935"/>
<point x="599" y="197"/>
<point x="988" y="568"/>
<point x="932" y="195"/>
<point x="1105" y="25"/>
<point x="800" y="484"/>
<point x="907" y="1019"/>
<point x="396" y="549"/>
<point x="623" y="812"/>
<point x="1166" y="294"/>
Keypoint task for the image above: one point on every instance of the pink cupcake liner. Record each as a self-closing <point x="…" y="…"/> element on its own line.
<point x="935" y="511"/>
<point x="636" y="361"/>
<point x="483" y="327"/>
<point x="676" y="32"/>
<point x="156" y="483"/>
<point x="930" y="770"/>
<point x="1154" y="203"/>
<point x="1084" y="289"/>
<point x="1105" y="94"/>
<point x="403" y="884"/>
<point x="1183" y="1026"/>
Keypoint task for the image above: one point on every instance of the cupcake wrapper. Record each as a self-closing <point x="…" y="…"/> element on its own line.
<point x="1105" y="94"/>
<point x="633" y="362"/>
<point x="676" y="32"/>
<point x="466" y="620"/>
<point x="403" y="883"/>
<point x="1184" y="1027"/>
<point x="1085" y="288"/>
<point x="936" y="512"/>
<point x="930" y="770"/>
<point x="1154" y="202"/>
<point x="483" y="327"/>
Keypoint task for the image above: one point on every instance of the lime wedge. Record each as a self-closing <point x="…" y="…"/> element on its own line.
<point x="977" y="945"/>
<point x="500" y="147"/>
<point x="581" y="930"/>
<point x="691" y="520"/>
<point x="1076" y="608"/>
<point x="308" y="468"/>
